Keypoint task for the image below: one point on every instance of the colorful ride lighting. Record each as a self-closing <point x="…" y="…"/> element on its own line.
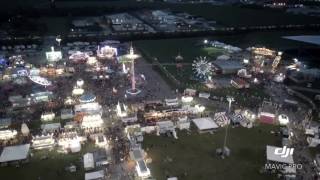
<point x="40" y="80"/>
<point x="107" y="52"/>
<point x="92" y="60"/>
<point x="79" y="56"/>
<point x="132" y="55"/>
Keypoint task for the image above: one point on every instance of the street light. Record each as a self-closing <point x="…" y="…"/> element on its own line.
<point x="230" y="100"/>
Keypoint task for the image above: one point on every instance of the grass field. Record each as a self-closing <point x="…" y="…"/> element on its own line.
<point x="48" y="169"/>
<point x="193" y="156"/>
<point x="244" y="16"/>
<point x="166" y="50"/>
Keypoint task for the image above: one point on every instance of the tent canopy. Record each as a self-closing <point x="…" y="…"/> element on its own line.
<point x="205" y="123"/>
<point x="15" y="153"/>
<point x="88" y="161"/>
<point x="94" y="175"/>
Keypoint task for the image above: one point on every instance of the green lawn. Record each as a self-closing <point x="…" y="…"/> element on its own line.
<point x="193" y="156"/>
<point x="49" y="169"/>
<point x="167" y="49"/>
<point x="244" y="16"/>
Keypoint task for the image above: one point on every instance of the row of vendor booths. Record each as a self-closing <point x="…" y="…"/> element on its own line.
<point x="267" y="112"/>
<point x="13" y="154"/>
<point x="203" y="124"/>
<point x="34" y="98"/>
<point x="8" y="135"/>
<point x="68" y="140"/>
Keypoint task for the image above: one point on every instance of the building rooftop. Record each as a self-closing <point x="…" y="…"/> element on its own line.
<point x="15" y="153"/>
<point x="94" y="175"/>
<point x="228" y="64"/>
<point x="205" y="123"/>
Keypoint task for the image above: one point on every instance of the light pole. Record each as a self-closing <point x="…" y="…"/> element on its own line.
<point x="225" y="151"/>
<point x="230" y="100"/>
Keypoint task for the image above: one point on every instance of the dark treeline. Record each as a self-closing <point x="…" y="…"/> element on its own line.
<point x="164" y="35"/>
<point x="54" y="11"/>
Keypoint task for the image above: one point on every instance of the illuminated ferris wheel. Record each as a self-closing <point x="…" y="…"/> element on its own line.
<point x="202" y="68"/>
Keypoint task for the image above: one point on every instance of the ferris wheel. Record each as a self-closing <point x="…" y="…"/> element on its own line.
<point x="202" y="68"/>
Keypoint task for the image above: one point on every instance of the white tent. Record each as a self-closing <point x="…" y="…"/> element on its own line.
<point x="15" y="153"/>
<point x="172" y="178"/>
<point x="24" y="129"/>
<point x="94" y="175"/>
<point x="183" y="123"/>
<point x="75" y="146"/>
<point x="223" y="57"/>
<point x="283" y="119"/>
<point x="204" y="124"/>
<point x="88" y="161"/>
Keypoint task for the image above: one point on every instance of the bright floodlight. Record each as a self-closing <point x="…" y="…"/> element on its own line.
<point x="246" y="61"/>
<point x="230" y="100"/>
<point x="283" y="119"/>
<point x="205" y="41"/>
<point x="80" y="82"/>
<point x="58" y="39"/>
